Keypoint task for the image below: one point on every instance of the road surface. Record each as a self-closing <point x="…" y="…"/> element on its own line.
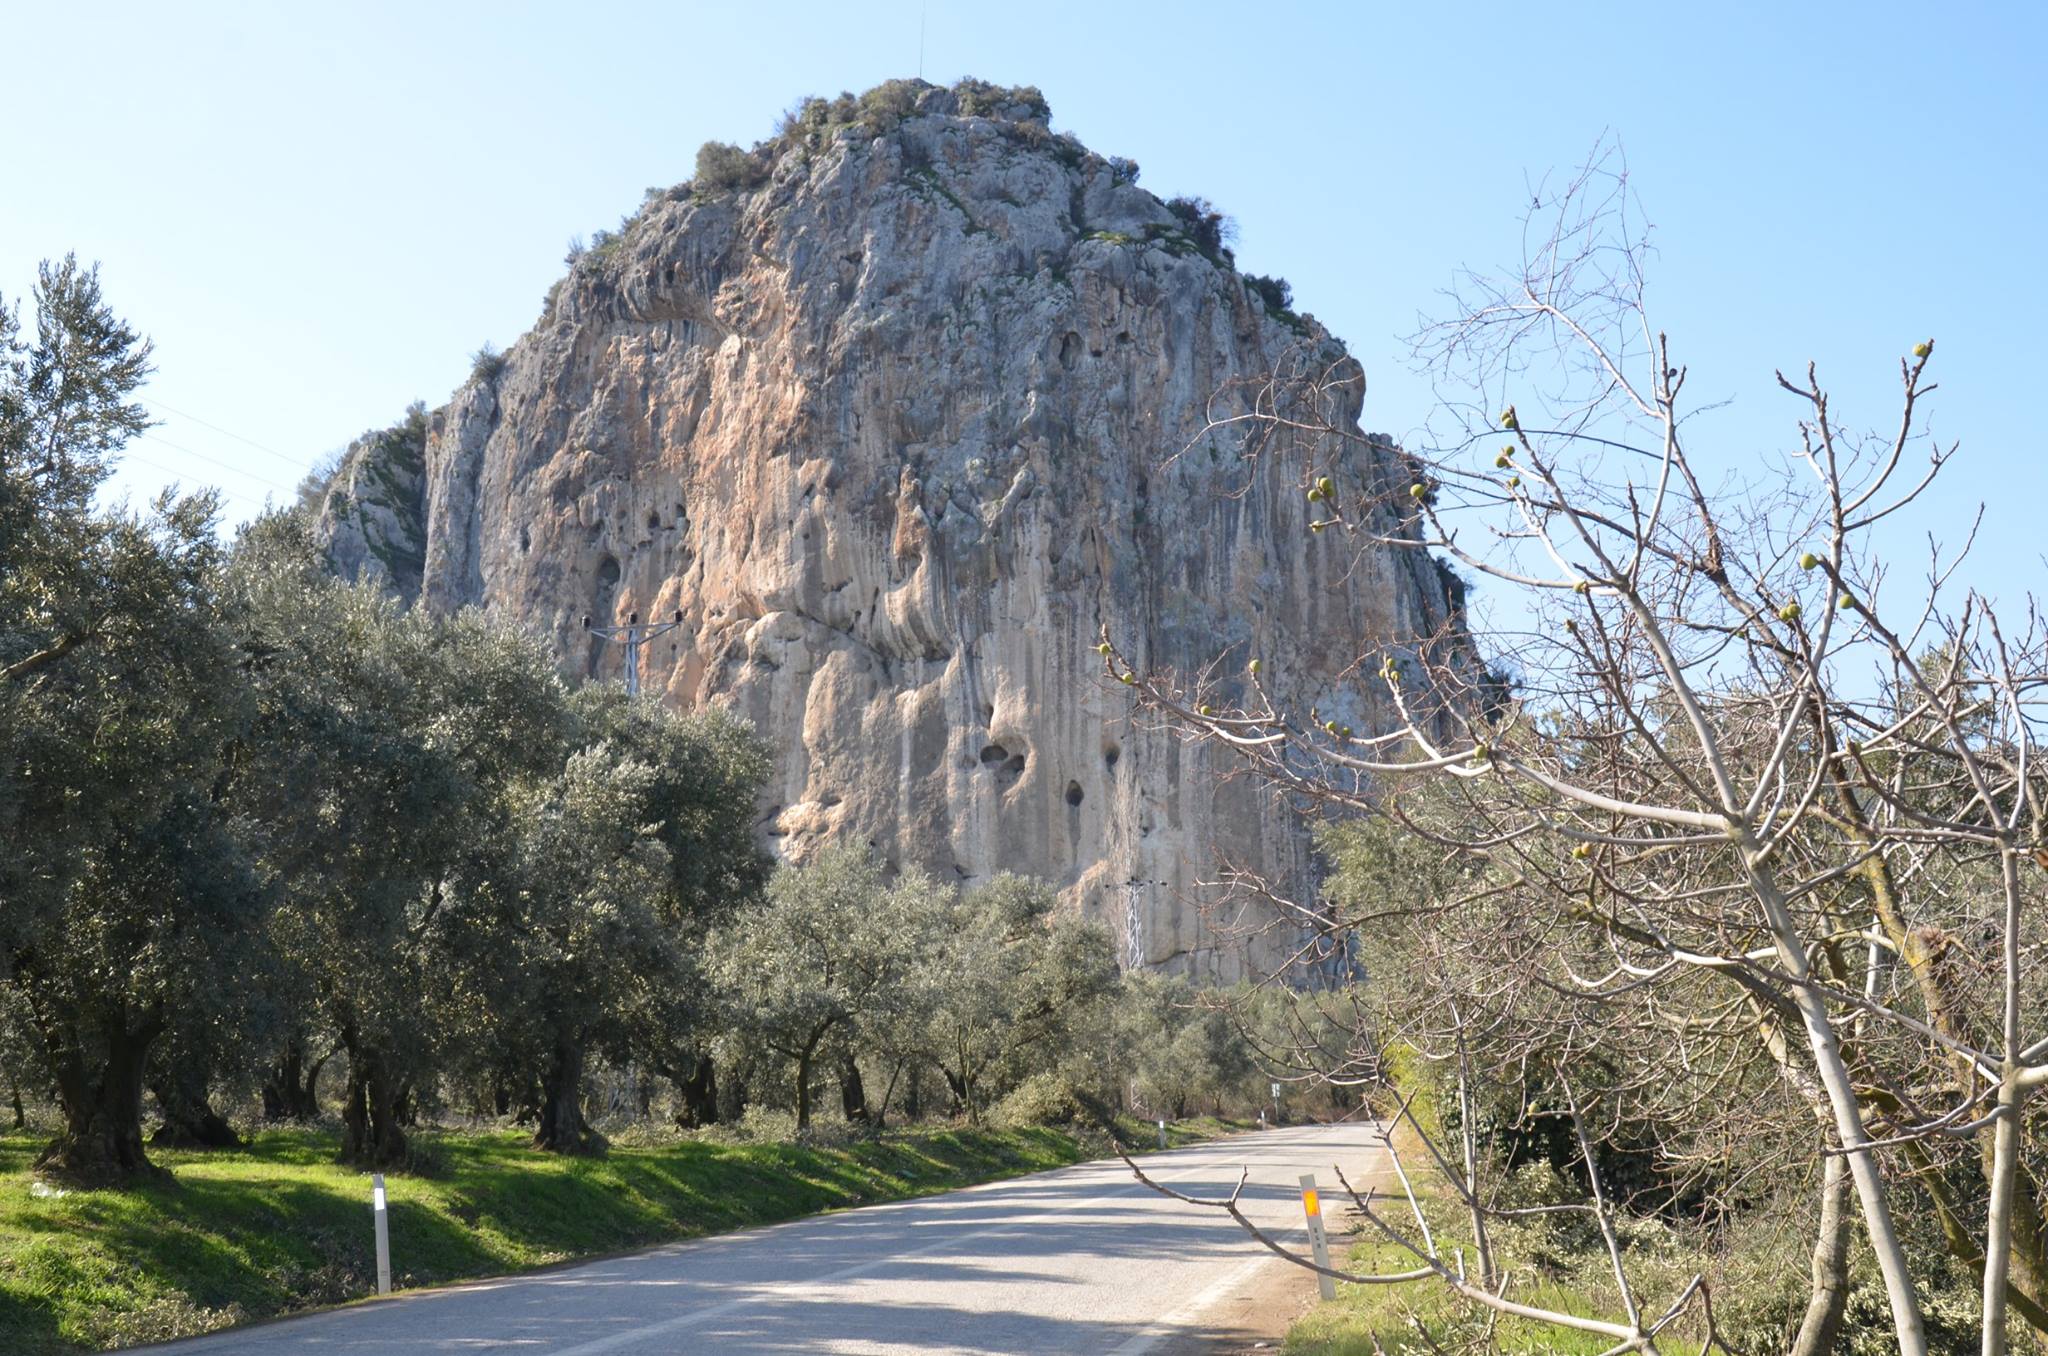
<point x="1079" y="1260"/>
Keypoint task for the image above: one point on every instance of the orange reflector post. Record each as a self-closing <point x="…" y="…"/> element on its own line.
<point x="1318" y="1237"/>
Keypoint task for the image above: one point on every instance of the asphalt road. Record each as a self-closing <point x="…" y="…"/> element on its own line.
<point x="1080" y="1260"/>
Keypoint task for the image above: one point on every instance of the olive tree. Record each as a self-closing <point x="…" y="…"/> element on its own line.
<point x="126" y="896"/>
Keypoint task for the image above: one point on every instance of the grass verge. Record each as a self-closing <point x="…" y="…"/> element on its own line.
<point x="1423" y="1316"/>
<point x="279" y="1227"/>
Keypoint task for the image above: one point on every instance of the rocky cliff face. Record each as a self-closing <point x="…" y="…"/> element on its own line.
<point x="892" y="424"/>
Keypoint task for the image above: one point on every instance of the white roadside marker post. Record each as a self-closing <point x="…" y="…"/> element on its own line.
<point x="1318" y="1239"/>
<point x="383" y="1233"/>
<point x="1162" y="1134"/>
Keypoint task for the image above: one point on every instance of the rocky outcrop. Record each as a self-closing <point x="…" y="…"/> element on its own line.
<point x="900" y="423"/>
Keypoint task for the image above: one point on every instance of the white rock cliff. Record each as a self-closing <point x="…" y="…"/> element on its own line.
<point x="895" y="431"/>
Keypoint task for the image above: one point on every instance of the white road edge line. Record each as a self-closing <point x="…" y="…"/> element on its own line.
<point x="1171" y="1325"/>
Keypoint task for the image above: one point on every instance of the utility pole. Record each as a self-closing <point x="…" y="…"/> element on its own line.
<point x="633" y="635"/>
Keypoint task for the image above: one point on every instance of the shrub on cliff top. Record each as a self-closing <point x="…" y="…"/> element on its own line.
<point x="1208" y="228"/>
<point x="725" y="168"/>
<point x="980" y="99"/>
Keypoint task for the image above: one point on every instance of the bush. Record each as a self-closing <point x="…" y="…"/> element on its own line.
<point x="1041" y="1099"/>
<point x="1277" y="293"/>
<point x="725" y="168"/>
<point x="487" y="364"/>
<point x="888" y="104"/>
<point x="1210" y="229"/>
<point x="980" y="99"/>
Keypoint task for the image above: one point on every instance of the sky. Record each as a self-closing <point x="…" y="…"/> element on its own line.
<point x="319" y="212"/>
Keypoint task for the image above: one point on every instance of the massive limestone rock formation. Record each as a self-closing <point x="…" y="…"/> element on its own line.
<point x="901" y="415"/>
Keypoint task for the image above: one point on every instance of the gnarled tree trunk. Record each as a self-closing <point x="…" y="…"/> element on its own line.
<point x="562" y="1128"/>
<point x="292" y="1091"/>
<point x="101" y="1097"/>
<point x="370" y="1133"/>
<point x="190" y="1122"/>
<point x="697" y="1092"/>
<point x="853" y="1095"/>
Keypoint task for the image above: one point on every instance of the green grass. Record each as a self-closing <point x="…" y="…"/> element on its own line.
<point x="1367" y="1319"/>
<point x="278" y="1227"/>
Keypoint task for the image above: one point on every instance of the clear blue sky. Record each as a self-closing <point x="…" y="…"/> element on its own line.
<point x="319" y="211"/>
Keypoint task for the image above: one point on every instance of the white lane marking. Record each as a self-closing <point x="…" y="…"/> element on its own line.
<point x="821" y="1284"/>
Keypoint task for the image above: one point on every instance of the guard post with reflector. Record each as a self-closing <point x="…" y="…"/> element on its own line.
<point x="1318" y="1237"/>
<point x="383" y="1233"/>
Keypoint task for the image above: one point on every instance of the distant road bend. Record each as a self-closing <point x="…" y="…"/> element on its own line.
<point x="1080" y="1260"/>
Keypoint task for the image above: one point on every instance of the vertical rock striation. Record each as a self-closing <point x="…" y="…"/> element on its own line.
<point x="900" y="428"/>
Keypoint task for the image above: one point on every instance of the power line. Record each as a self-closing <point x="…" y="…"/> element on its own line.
<point x="213" y="461"/>
<point x="296" y="463"/>
<point x="225" y="493"/>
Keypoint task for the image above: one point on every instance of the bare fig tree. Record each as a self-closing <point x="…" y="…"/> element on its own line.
<point x="1747" y="755"/>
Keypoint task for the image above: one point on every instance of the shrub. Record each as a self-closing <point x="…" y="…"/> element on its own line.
<point x="888" y="104"/>
<point x="1049" y="1098"/>
<point x="725" y="168"/>
<point x="981" y="99"/>
<point x="486" y="365"/>
<point x="1210" y="229"/>
<point x="1277" y="293"/>
<point x="603" y="245"/>
<point x="1041" y="1099"/>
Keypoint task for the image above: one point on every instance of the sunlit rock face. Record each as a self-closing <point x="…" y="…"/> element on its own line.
<point x="901" y="432"/>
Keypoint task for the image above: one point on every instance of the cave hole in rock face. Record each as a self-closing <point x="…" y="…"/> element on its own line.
<point x="994" y="753"/>
<point x="607" y="574"/>
<point x="1073" y="793"/>
<point x="653" y="520"/>
<point x="525" y="540"/>
<point x="1015" y="767"/>
<point x="1070" y="350"/>
<point x="1110" y="755"/>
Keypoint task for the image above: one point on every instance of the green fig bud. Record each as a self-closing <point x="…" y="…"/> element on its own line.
<point x="1845" y="603"/>
<point x="1502" y="461"/>
<point x="1923" y="348"/>
<point x="1207" y="710"/>
<point x="1417" y="490"/>
<point x="1255" y="668"/>
<point x="1514" y="482"/>
<point x="1808" y="561"/>
<point x="1126" y="679"/>
<point x="1326" y="487"/>
<point x="1317" y="526"/>
<point x="1507" y="418"/>
<point x="1582" y="851"/>
<point x="1789" y="612"/>
<point x="1103" y="648"/>
<point x="1582" y="587"/>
